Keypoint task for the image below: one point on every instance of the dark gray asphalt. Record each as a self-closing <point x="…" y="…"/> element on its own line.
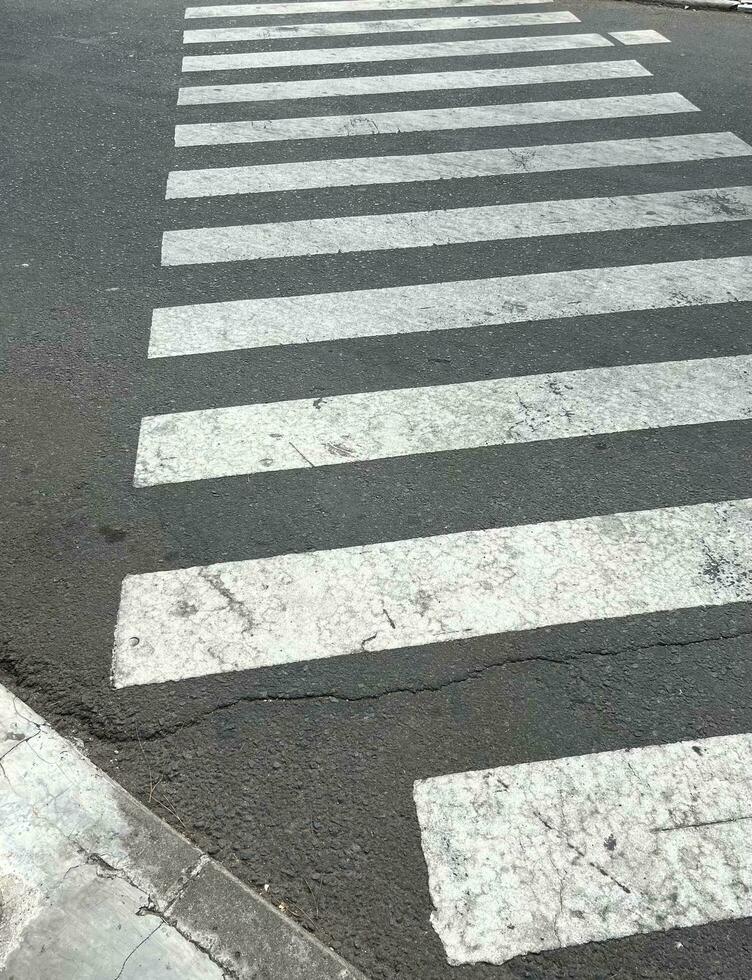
<point x="300" y="777"/>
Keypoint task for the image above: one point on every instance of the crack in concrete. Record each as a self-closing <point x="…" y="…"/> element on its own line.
<point x="136" y="949"/>
<point x="18" y="743"/>
<point x="166" y="919"/>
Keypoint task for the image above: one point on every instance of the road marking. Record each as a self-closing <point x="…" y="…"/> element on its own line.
<point x="341" y="6"/>
<point x="583" y="849"/>
<point x="337" y="28"/>
<point x="462" y="164"/>
<point x="325" y="88"/>
<point x="428" y="120"/>
<point x="345" y="429"/>
<point x="244" y="324"/>
<point x="417" y="229"/>
<point x="392" y="52"/>
<point x="359" y="600"/>
<point x="639" y="37"/>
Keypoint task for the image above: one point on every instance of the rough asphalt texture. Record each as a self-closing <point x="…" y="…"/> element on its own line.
<point x="300" y="777"/>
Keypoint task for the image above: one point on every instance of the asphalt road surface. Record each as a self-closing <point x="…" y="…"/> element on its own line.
<point x="482" y="497"/>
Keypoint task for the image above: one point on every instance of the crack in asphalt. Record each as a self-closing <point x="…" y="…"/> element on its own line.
<point x="418" y="689"/>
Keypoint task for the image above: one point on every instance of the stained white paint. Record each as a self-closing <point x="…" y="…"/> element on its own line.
<point x="337" y="28"/>
<point x="359" y="600"/>
<point x="416" y="229"/>
<point x="392" y="52"/>
<point x="463" y="164"/>
<point x="428" y="120"/>
<point x="639" y="37"/>
<point x="542" y="855"/>
<point x="241" y="324"/>
<point x="340" y="6"/>
<point x="344" y="429"/>
<point x="421" y="82"/>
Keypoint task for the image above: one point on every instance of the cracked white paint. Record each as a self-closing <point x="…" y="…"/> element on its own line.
<point x="72" y="894"/>
<point x="430" y="120"/>
<point x="324" y="88"/>
<point x="392" y="52"/>
<point x="358" y="600"/>
<point x="338" y="6"/>
<point x="639" y="37"/>
<point x="642" y="151"/>
<point x="550" y="854"/>
<point x="344" y="429"/>
<point x="338" y="28"/>
<point x="318" y="317"/>
<point x="452" y="226"/>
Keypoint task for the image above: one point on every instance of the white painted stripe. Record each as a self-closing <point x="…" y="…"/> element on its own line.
<point x="462" y="164"/>
<point x="341" y="6"/>
<point x="410" y="421"/>
<point x="337" y="28"/>
<point x="268" y="322"/>
<point x="416" y="229"/>
<point x="325" y="88"/>
<point x="583" y="849"/>
<point x="290" y="608"/>
<point x="427" y="120"/>
<point x="639" y="37"/>
<point x="392" y="52"/>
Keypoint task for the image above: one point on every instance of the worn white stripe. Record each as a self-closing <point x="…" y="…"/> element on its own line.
<point x="268" y="322"/>
<point x="337" y="28"/>
<point x="427" y="120"/>
<point x="341" y="6"/>
<point x="583" y="849"/>
<point x="377" y="425"/>
<point x="462" y="164"/>
<point x="421" y="82"/>
<point x="639" y="37"/>
<point x="358" y="600"/>
<point x="452" y="226"/>
<point x="392" y="52"/>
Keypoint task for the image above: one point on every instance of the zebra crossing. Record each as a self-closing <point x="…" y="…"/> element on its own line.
<point x="437" y="166"/>
<point x="389" y="595"/>
<point x="377" y="27"/>
<point x="383" y="424"/>
<point x="421" y="229"/>
<point x="623" y="805"/>
<point x="427" y="120"/>
<point x="421" y="82"/>
<point x="314" y="318"/>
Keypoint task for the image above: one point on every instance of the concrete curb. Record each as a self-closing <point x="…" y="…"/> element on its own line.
<point x="739" y="6"/>
<point x="93" y="884"/>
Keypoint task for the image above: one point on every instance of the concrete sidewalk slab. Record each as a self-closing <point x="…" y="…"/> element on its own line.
<point x="93" y="886"/>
